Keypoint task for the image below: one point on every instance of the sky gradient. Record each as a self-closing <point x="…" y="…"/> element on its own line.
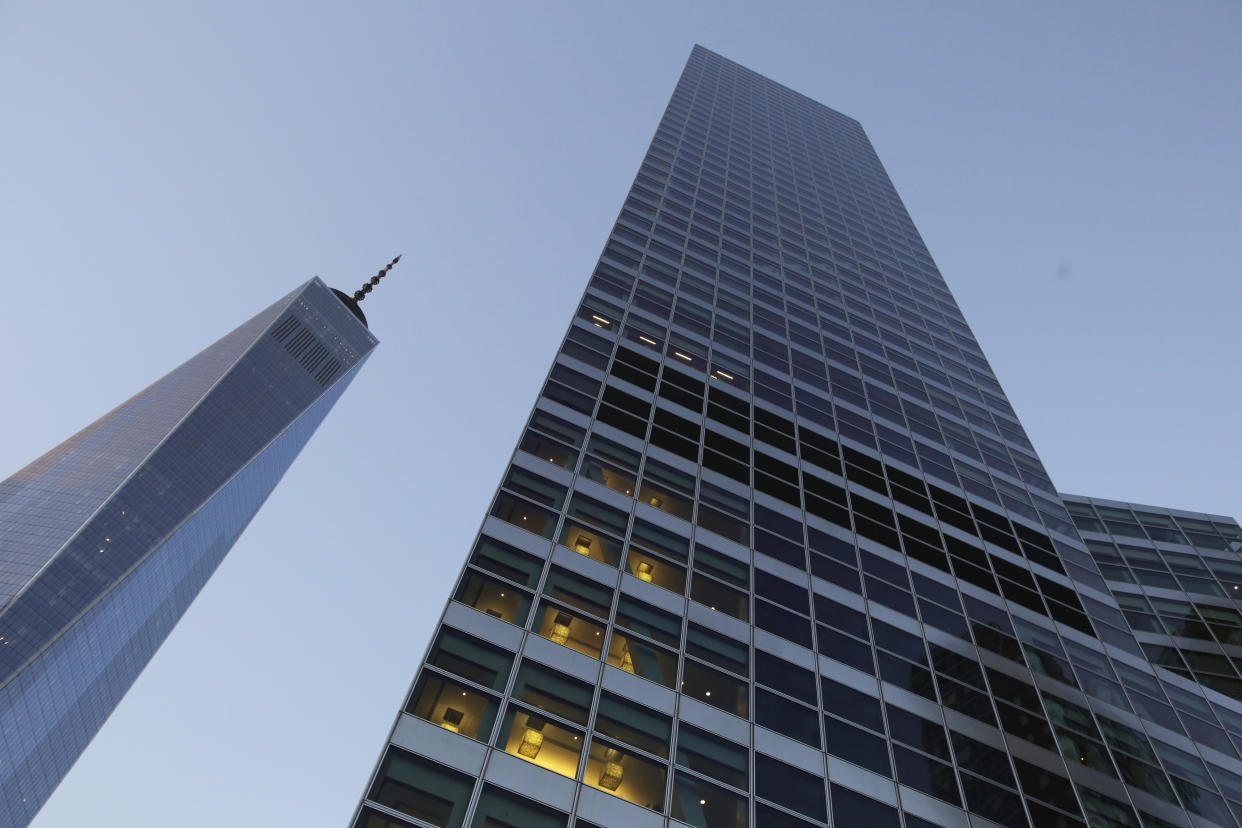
<point x="170" y="168"/>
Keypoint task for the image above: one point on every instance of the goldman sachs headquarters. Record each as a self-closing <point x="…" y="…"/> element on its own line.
<point x="774" y="549"/>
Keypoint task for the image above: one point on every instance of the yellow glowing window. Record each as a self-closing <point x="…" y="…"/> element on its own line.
<point x="542" y="740"/>
<point x="454" y="706"/>
<point x="626" y="774"/>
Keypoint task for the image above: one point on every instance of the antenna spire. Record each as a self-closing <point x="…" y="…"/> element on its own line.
<point x="361" y="293"/>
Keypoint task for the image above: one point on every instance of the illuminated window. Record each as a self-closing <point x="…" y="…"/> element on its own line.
<point x="564" y="627"/>
<point x="541" y="739"/>
<point x="452" y="705"/>
<point x="654" y="494"/>
<point x="656" y="571"/>
<point x="626" y="773"/>
<point x="591" y="543"/>
<point x="599" y="525"/>
<point x="525" y="515"/>
<point x="496" y="598"/>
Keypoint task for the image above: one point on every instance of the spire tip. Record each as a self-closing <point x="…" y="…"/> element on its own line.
<point x="361" y="293"/>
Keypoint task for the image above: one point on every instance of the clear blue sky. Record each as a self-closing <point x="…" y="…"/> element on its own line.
<point x="171" y="167"/>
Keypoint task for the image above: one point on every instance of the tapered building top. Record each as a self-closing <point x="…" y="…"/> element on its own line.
<point x="106" y="539"/>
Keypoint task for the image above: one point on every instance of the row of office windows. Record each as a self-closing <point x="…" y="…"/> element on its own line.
<point x="848" y="336"/>
<point x="685" y="177"/>
<point x="997" y="490"/>
<point x="1107" y="686"/>
<point x="727" y="252"/>
<point x="963" y="425"/>
<point x="753" y="234"/>
<point x="1173" y="598"/>
<point x="457" y="690"/>
<point x="811" y="166"/>
<point x="908" y="404"/>
<point x="436" y="795"/>
<point x="1050" y="659"/>
<point x="803" y="489"/>
<point x="1219" y="577"/>
<point x="1144" y="525"/>
<point x="716" y="668"/>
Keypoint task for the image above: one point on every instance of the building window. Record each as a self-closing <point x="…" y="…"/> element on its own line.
<point x="505" y="561"/>
<point x="646" y="620"/>
<point x="633" y="724"/>
<point x="525" y="515"/>
<point x="453" y="705"/>
<point x="541" y="739"/>
<point x="500" y="809"/>
<point x="626" y="773"/>
<point x="371" y="818"/>
<point x="570" y="629"/>
<point x="712" y="756"/>
<point x="494" y="597"/>
<point x="715" y="688"/>
<point x="423" y="789"/>
<point x="553" y="692"/>
<point x="472" y="659"/>
<point x="703" y="805"/>
<point x="634" y="655"/>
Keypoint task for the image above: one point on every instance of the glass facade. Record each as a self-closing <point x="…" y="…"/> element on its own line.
<point x="105" y="540"/>
<point x="774" y="549"/>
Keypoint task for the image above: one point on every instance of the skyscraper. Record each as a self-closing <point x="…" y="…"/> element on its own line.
<point x="106" y="539"/>
<point x="774" y="549"/>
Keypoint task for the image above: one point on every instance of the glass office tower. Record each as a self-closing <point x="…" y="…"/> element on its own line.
<point x="106" y="539"/>
<point x="774" y="549"/>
